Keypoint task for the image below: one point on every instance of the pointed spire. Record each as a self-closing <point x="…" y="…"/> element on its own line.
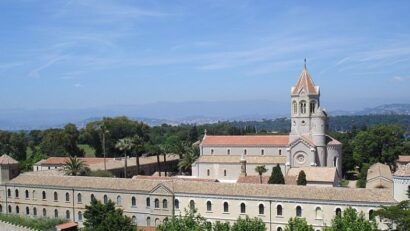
<point x="305" y="82"/>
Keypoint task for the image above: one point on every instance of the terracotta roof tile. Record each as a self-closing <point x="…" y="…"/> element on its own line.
<point x="277" y="140"/>
<point x="404" y="159"/>
<point x="6" y="159"/>
<point x="379" y="170"/>
<point x="403" y="170"/>
<point x="318" y="174"/>
<point x="236" y="159"/>
<point x="305" y="82"/>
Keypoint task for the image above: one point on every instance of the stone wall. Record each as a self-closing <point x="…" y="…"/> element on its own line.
<point x="4" y="226"/>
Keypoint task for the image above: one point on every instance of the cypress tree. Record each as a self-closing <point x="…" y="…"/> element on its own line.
<point x="277" y="176"/>
<point x="301" y="178"/>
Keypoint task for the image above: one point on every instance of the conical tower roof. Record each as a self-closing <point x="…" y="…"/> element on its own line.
<point x="305" y="82"/>
<point x="6" y="159"/>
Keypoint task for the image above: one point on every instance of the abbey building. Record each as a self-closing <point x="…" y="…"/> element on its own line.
<point x="307" y="147"/>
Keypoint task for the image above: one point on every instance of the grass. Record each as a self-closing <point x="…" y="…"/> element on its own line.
<point x="89" y="151"/>
<point x="33" y="223"/>
<point x="344" y="183"/>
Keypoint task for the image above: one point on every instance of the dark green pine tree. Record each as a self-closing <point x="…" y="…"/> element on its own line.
<point x="277" y="176"/>
<point x="301" y="178"/>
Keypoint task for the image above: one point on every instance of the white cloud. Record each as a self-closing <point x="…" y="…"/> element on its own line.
<point x="78" y="85"/>
<point x="400" y="78"/>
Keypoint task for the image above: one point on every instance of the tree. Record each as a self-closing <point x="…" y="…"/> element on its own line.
<point x="138" y="149"/>
<point x="277" y="176"/>
<point x="301" y="178"/>
<point x="74" y="166"/>
<point x="189" y="222"/>
<point x="261" y="169"/>
<point x="352" y="221"/>
<point x="245" y="224"/>
<point x="125" y="145"/>
<point x="188" y="158"/>
<point x="104" y="217"/>
<point x="298" y="224"/>
<point x="397" y="215"/>
<point x="71" y="134"/>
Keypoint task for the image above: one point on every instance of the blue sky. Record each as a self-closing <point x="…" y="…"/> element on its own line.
<point x="82" y="54"/>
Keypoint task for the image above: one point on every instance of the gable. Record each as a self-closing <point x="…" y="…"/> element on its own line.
<point x="161" y="189"/>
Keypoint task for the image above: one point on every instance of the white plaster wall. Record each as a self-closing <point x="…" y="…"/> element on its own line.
<point x="268" y="150"/>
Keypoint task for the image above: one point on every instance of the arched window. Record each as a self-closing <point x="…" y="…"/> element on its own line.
<point x="105" y="198"/>
<point x="55" y="213"/>
<point x="226" y="207"/>
<point x="338" y="211"/>
<point x="55" y="196"/>
<point x="67" y="197"/>
<point x="33" y="194"/>
<point x="35" y="211"/>
<point x="67" y="214"/>
<point x="133" y="201"/>
<point x="148" y="221"/>
<point x="212" y="151"/>
<point x="27" y="194"/>
<point x="92" y="197"/>
<point x="176" y="204"/>
<point x="279" y="229"/>
<point x="228" y="151"/>
<point x="80" y="216"/>
<point x="245" y="151"/>
<point x="1" y="209"/>
<point x="157" y="222"/>
<point x="303" y="107"/>
<point x="17" y="210"/>
<point x="44" y="212"/>
<point x="224" y="172"/>
<point x="134" y="220"/>
<point x="295" y="107"/>
<point x="208" y="206"/>
<point x="371" y="214"/>
<point x="318" y="213"/>
<point x="334" y="161"/>
<point x="79" y="198"/>
<point x="243" y="208"/>
<point x="165" y="204"/>
<point x="148" y="202"/>
<point x="9" y="208"/>
<point x="44" y="195"/>
<point x="298" y="211"/>
<point x="27" y="211"/>
<point x="261" y="209"/>
<point x="279" y="210"/>
<point x="17" y="193"/>
<point x="262" y="152"/>
<point x="280" y="152"/>
<point x="191" y="204"/>
<point x="156" y="203"/>
<point x="8" y="192"/>
<point x="119" y="200"/>
<point x="208" y="172"/>
<point x="312" y="106"/>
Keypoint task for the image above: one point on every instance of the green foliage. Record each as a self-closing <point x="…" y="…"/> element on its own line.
<point x="34" y="157"/>
<point x="245" y="224"/>
<point x="42" y="223"/>
<point x="352" y="221"/>
<point x="398" y="216"/>
<point x="100" y="173"/>
<point x="75" y="167"/>
<point x="301" y="178"/>
<point x="362" y="178"/>
<point x="87" y="149"/>
<point x="344" y="183"/>
<point x="104" y="217"/>
<point x="277" y="176"/>
<point x="61" y="142"/>
<point x="188" y="158"/>
<point x="298" y="224"/>
<point x="14" y="144"/>
<point x="261" y="169"/>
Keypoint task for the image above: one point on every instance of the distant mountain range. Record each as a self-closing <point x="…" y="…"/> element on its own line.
<point x="169" y="112"/>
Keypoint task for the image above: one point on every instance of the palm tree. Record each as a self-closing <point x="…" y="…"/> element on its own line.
<point x="188" y="159"/>
<point x="74" y="166"/>
<point x="159" y="150"/>
<point x="104" y="131"/>
<point x="260" y="170"/>
<point x="138" y="148"/>
<point x="124" y="145"/>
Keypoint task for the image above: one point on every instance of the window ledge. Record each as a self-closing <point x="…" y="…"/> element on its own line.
<point x="225" y="212"/>
<point x="279" y="216"/>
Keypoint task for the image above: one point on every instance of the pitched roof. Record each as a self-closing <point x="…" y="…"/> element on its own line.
<point x="6" y="159"/>
<point x="228" y="159"/>
<point x="209" y="188"/>
<point x="379" y="170"/>
<point x="404" y="159"/>
<point x="317" y="174"/>
<point x="403" y="170"/>
<point x="62" y="160"/>
<point x="305" y="82"/>
<point x="277" y="140"/>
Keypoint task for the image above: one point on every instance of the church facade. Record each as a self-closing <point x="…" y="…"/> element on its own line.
<point x="307" y="146"/>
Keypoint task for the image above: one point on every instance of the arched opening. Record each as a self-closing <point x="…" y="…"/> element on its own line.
<point x="224" y="172"/>
<point x="148" y="221"/>
<point x="16" y="193"/>
<point x="1" y="209"/>
<point x="295" y="107"/>
<point x="67" y="214"/>
<point x="8" y="192"/>
<point x="298" y="211"/>
<point x="156" y="203"/>
<point x="261" y="209"/>
<point x="133" y="202"/>
<point x="79" y="198"/>
<point x="55" y="213"/>
<point x="148" y="202"/>
<point x="262" y="152"/>
<point x="303" y="107"/>
<point x="92" y="197"/>
<point x="371" y="214"/>
<point x="338" y="212"/>
<point x="44" y="212"/>
<point x="9" y="208"/>
<point x="34" y="211"/>
<point x="67" y="197"/>
<point x="243" y="208"/>
<point x="134" y="220"/>
<point x="44" y="195"/>
<point x="165" y="204"/>
<point x="212" y="151"/>
<point x="226" y="207"/>
<point x="105" y="198"/>
<point x="228" y="151"/>
<point x="27" y="194"/>
<point x="245" y="151"/>
<point x="119" y="201"/>
<point x="17" y="209"/>
<point x="312" y="106"/>
<point x="27" y="211"/>
<point x="335" y="161"/>
<point x="55" y="196"/>
<point x="318" y="212"/>
<point x="208" y="172"/>
<point x="80" y="216"/>
<point x="192" y="205"/>
<point x="279" y="210"/>
<point x="208" y="206"/>
<point x="279" y="229"/>
<point x="176" y="204"/>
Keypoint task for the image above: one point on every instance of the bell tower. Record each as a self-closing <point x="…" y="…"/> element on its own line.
<point x="308" y="120"/>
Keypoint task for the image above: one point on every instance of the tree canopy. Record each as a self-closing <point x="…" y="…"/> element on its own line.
<point x="276" y="176"/>
<point x="352" y="221"/>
